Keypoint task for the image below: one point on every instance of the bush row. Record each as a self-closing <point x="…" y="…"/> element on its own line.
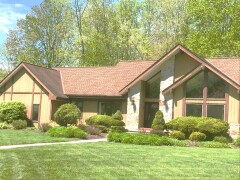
<point x="68" y="132"/>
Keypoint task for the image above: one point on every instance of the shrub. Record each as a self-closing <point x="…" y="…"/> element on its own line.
<point x="197" y="136"/>
<point x="82" y="126"/>
<point x="12" y="111"/>
<point x="158" y="132"/>
<point x="220" y="139"/>
<point x="5" y="125"/>
<point x="68" y="132"/>
<point x="213" y="127"/>
<point x="104" y="120"/>
<point x="54" y="124"/>
<point x="117" y="129"/>
<point x="177" y="135"/>
<point x="19" y="124"/>
<point x="93" y="130"/>
<point x="212" y="144"/>
<point x="118" y="116"/>
<point x="102" y="128"/>
<point x="237" y="141"/>
<point x="44" y="127"/>
<point x="158" y="122"/>
<point x="67" y="114"/>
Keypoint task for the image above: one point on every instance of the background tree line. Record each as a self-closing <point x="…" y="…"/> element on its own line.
<point x="102" y="32"/>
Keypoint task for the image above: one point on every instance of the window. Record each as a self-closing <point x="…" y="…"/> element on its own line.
<point x="35" y="112"/>
<point x="215" y="111"/>
<point x="216" y="86"/>
<point x="194" y="110"/>
<point x="109" y="108"/>
<point x="153" y="87"/>
<point x="194" y="87"/>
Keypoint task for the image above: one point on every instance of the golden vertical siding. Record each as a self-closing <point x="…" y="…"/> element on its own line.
<point x="233" y="107"/>
<point x="178" y="102"/>
<point x="22" y="82"/>
<point x="45" y="109"/>
<point x="90" y="108"/>
<point x="124" y="110"/>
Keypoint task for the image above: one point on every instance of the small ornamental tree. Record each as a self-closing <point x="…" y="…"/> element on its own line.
<point x="67" y="114"/>
<point x="12" y="111"/>
<point x="118" y="116"/>
<point x="158" y="122"/>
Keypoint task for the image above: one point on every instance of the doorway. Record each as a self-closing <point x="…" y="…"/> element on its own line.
<point x="150" y="110"/>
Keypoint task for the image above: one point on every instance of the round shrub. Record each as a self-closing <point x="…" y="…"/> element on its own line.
<point x="68" y="132"/>
<point x="12" y="111"/>
<point x="197" y="136"/>
<point x="220" y="139"/>
<point x="237" y="141"/>
<point x="158" y="122"/>
<point x="67" y="114"/>
<point x="177" y="135"/>
<point x="19" y="124"/>
<point x="118" y="116"/>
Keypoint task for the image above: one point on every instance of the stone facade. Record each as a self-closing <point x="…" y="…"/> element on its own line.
<point x="234" y="130"/>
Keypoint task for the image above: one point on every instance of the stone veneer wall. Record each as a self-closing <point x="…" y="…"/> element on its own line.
<point x="132" y="117"/>
<point x="167" y="79"/>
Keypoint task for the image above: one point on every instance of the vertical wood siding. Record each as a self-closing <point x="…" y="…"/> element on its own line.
<point x="233" y="110"/>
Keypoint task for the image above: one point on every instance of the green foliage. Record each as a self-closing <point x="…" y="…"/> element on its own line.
<point x="145" y="139"/>
<point x="197" y="136"/>
<point x="93" y="130"/>
<point x="5" y="125"/>
<point x="117" y="116"/>
<point x="19" y="124"/>
<point x="209" y="126"/>
<point x="212" y="144"/>
<point x="220" y="139"/>
<point x="67" y="114"/>
<point x="158" y="132"/>
<point x="104" y="120"/>
<point x="237" y="141"/>
<point x="177" y="135"/>
<point x="11" y="111"/>
<point x="158" y="122"/>
<point x="44" y="127"/>
<point x="68" y="132"/>
<point x="118" y="129"/>
<point x="104" y="129"/>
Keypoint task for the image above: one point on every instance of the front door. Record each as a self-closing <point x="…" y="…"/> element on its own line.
<point x="150" y="110"/>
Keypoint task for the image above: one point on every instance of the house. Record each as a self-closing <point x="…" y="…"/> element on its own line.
<point x="180" y="84"/>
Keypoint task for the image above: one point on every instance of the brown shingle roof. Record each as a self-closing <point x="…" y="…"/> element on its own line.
<point x="48" y="77"/>
<point x="101" y="81"/>
<point x="228" y="66"/>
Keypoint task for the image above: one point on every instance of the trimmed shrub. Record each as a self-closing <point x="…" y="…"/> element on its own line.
<point x="68" y="132"/>
<point x="102" y="128"/>
<point x="93" y="130"/>
<point x="5" y="125"/>
<point x="44" y="127"/>
<point x="67" y="114"/>
<point x="54" y="124"/>
<point x="212" y="144"/>
<point x="19" y="124"/>
<point x="104" y="120"/>
<point x="237" y="141"/>
<point x="117" y="129"/>
<point x="12" y="111"/>
<point x="177" y="135"/>
<point x="220" y="139"/>
<point x="197" y="136"/>
<point x="213" y="127"/>
<point x="117" y="116"/>
<point x="158" y="132"/>
<point x="158" y="122"/>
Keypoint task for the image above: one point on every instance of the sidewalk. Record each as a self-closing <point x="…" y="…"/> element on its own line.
<point x="53" y="143"/>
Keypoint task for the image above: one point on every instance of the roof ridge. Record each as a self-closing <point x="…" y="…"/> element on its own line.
<point x="136" y="60"/>
<point x="39" y="66"/>
<point x="223" y="58"/>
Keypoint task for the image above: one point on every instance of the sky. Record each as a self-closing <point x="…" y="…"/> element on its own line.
<point x="10" y="11"/>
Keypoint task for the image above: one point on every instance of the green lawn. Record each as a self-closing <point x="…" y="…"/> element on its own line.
<point x="8" y="137"/>
<point x="106" y="160"/>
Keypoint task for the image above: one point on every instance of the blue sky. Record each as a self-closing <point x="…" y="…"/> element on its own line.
<point x="10" y="11"/>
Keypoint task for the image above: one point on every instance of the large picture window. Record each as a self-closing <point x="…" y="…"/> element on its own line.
<point x="153" y="87"/>
<point x="109" y="108"/>
<point x="206" y="96"/>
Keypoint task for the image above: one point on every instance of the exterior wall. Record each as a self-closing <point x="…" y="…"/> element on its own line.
<point x="21" y="87"/>
<point x="234" y="111"/>
<point x="133" y="108"/>
<point x="178" y="101"/>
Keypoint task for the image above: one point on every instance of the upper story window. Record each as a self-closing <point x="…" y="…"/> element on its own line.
<point x="216" y="86"/>
<point x="153" y="87"/>
<point x="194" y="87"/>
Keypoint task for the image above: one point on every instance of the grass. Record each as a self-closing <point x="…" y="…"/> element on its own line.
<point x="10" y="137"/>
<point x="118" y="161"/>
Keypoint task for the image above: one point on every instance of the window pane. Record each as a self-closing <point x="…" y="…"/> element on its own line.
<point x="194" y="110"/>
<point x="194" y="87"/>
<point x="153" y="87"/>
<point x="216" y="86"/>
<point x="215" y="111"/>
<point x="35" y="112"/>
<point x="109" y="108"/>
